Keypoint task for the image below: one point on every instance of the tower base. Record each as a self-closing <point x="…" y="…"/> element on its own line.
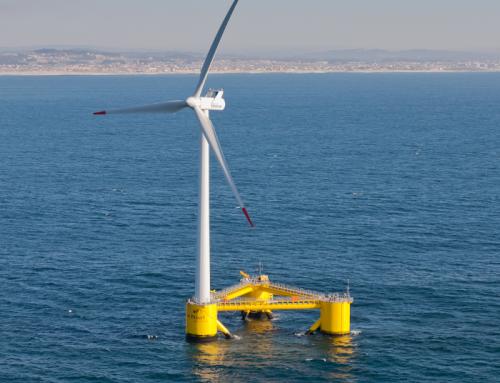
<point x="201" y="322"/>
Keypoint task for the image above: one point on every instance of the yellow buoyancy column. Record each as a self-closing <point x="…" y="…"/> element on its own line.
<point x="335" y="317"/>
<point x="260" y="294"/>
<point x="201" y="321"/>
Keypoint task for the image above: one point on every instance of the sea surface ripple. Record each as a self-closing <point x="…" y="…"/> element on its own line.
<point x="390" y="181"/>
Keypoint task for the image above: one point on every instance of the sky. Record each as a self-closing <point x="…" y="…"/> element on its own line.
<point x="258" y="26"/>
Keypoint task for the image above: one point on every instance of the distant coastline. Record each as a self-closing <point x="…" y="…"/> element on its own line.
<point x="50" y="73"/>
<point x="63" y="62"/>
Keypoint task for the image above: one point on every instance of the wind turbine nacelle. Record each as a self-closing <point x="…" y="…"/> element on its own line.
<point x="207" y="103"/>
<point x="213" y="100"/>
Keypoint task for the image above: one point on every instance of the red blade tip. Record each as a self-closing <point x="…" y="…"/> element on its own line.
<point x="244" y="209"/>
<point x="100" y="113"/>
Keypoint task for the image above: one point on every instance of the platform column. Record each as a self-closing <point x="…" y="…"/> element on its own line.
<point x="260" y="295"/>
<point x="335" y="317"/>
<point x="201" y="322"/>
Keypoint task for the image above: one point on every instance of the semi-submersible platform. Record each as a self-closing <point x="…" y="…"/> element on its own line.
<point x="257" y="297"/>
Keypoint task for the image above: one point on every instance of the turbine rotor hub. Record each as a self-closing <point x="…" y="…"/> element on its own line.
<point x="193" y="102"/>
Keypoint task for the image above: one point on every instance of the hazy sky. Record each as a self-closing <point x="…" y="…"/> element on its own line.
<point x="257" y="26"/>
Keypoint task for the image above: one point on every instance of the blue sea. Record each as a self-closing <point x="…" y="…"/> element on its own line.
<point x="388" y="183"/>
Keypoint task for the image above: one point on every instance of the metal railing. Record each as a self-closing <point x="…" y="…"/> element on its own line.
<point x="230" y="289"/>
<point x="296" y="290"/>
<point x="256" y="302"/>
<point x="218" y="296"/>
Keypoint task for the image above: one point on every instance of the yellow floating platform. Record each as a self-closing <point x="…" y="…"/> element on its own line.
<point x="257" y="297"/>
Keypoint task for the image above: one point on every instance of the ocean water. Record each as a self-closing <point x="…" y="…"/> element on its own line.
<point x="390" y="181"/>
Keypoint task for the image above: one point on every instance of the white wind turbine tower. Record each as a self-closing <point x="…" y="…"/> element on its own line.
<point x="213" y="100"/>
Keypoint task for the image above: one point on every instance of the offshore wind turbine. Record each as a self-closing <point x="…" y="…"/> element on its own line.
<point x="259" y="293"/>
<point x="201" y="105"/>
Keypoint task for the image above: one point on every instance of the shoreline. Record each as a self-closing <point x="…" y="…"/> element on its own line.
<point x="60" y="73"/>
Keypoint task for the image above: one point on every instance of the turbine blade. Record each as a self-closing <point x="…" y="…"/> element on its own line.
<point x="163" y="107"/>
<point x="211" y="136"/>
<point x="213" y="49"/>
